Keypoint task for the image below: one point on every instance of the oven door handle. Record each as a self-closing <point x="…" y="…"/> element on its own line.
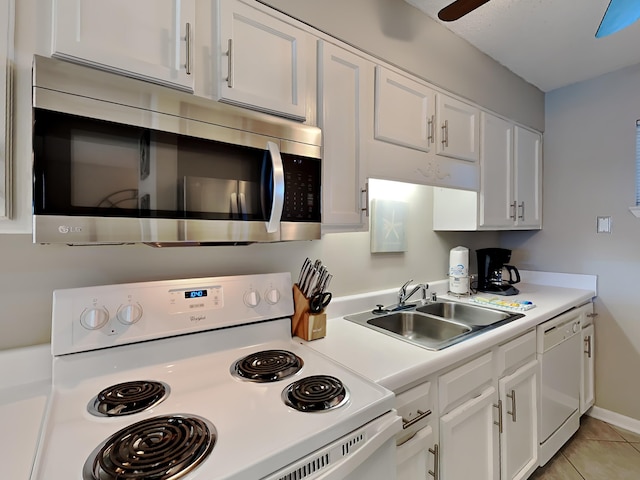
<point x="385" y="431"/>
<point x="277" y="201"/>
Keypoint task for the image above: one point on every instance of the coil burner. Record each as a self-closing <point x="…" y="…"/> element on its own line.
<point x="317" y="393"/>
<point x="128" y="398"/>
<point x="267" y="366"/>
<point x="158" y="448"/>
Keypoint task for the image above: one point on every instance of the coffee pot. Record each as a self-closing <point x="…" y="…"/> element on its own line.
<point x="492" y="266"/>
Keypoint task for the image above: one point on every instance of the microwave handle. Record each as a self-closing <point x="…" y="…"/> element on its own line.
<point x="277" y="202"/>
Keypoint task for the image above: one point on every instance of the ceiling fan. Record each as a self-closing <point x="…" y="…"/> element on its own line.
<point x="620" y="14"/>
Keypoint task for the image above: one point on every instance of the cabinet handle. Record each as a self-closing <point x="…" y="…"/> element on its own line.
<point x="445" y="133"/>
<point x="499" y="422"/>
<point x="187" y="37"/>
<point x="587" y="341"/>
<point x="407" y="423"/>
<point x="521" y="206"/>
<point x="512" y="396"/>
<point x="431" y="129"/>
<point x="435" y="473"/>
<point x="230" y="63"/>
<point x="365" y="190"/>
<point x="512" y="207"/>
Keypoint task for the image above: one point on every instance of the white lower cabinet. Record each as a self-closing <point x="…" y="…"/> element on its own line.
<point x="415" y="457"/>
<point x="519" y="439"/>
<point x="469" y="440"/>
<point x="485" y="421"/>
<point x="587" y="389"/>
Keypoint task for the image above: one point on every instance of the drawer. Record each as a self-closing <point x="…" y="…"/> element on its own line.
<point x="516" y="353"/>
<point x="464" y="382"/>
<point x="416" y="407"/>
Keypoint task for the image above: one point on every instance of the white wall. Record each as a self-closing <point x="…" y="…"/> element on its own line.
<point x="589" y="171"/>
<point x="386" y="28"/>
<point x="29" y="273"/>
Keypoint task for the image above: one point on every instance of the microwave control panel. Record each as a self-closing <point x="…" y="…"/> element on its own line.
<point x="302" y="189"/>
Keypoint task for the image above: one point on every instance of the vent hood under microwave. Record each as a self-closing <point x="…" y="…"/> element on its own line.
<point x="118" y="160"/>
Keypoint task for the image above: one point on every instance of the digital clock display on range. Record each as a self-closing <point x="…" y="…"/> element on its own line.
<point x="195" y="294"/>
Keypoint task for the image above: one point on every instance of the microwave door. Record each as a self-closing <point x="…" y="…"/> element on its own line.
<point x="273" y="187"/>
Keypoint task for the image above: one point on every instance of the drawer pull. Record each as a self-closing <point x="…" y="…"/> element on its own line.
<point x="512" y="396"/>
<point x="407" y="423"/>
<point x="435" y="473"/>
<point x="499" y="422"/>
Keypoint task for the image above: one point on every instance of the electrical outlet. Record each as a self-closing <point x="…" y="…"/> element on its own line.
<point x="604" y="225"/>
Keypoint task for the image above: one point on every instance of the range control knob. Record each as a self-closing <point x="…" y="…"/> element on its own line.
<point x="94" y="318"/>
<point x="272" y="296"/>
<point x="129" y="314"/>
<point x="252" y="298"/>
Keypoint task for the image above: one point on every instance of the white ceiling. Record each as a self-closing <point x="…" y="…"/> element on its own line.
<point x="549" y="43"/>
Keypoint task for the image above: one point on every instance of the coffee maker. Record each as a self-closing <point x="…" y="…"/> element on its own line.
<point x="491" y="263"/>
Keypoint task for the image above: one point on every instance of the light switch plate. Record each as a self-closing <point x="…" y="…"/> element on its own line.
<point x="604" y="225"/>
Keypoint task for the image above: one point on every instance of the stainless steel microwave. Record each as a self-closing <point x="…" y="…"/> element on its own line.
<point x="119" y="160"/>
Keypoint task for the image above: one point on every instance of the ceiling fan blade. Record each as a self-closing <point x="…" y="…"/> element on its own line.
<point x="459" y="9"/>
<point x="620" y="14"/>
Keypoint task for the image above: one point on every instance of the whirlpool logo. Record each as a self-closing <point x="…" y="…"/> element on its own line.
<point x="69" y="229"/>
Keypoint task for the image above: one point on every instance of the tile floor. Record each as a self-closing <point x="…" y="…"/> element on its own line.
<point x="598" y="451"/>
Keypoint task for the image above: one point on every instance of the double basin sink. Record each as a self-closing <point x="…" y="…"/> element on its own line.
<point x="436" y="325"/>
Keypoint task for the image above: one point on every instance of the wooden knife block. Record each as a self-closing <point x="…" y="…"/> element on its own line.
<point x="304" y="324"/>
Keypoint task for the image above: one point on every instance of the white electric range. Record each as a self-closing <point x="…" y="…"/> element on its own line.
<point x="200" y="379"/>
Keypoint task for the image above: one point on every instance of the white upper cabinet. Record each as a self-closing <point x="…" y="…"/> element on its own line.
<point x="458" y="134"/>
<point x="528" y="178"/>
<point x="510" y="196"/>
<point x="345" y="84"/>
<point x="6" y="47"/>
<point x="261" y="60"/>
<point x="151" y="39"/>
<point x="404" y="111"/>
<point x="497" y="207"/>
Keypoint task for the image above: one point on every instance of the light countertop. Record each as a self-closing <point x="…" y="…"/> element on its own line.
<point x="25" y="384"/>
<point x="398" y="365"/>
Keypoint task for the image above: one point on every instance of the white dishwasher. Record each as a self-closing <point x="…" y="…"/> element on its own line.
<point x="559" y="353"/>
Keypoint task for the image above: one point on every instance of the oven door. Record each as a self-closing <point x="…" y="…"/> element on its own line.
<point x="369" y="452"/>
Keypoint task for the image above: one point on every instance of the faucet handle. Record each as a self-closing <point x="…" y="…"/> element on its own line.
<point x="403" y="288"/>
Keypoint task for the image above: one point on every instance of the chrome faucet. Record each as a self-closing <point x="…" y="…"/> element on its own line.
<point x="403" y="296"/>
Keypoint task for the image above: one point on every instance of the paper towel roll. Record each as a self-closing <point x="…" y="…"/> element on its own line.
<point x="459" y="270"/>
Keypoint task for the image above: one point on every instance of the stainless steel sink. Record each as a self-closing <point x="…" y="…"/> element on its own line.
<point x="423" y="329"/>
<point x="465" y="313"/>
<point x="436" y="325"/>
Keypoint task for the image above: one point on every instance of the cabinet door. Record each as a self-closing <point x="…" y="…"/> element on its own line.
<point x="6" y="55"/>
<point x="528" y="178"/>
<point x="145" y="38"/>
<point x="519" y="442"/>
<point x="469" y="440"/>
<point x="262" y="61"/>
<point x="404" y="111"/>
<point x="415" y="457"/>
<point x="587" y="393"/>
<point x="344" y="85"/>
<point x="497" y="207"/>
<point x="458" y="129"/>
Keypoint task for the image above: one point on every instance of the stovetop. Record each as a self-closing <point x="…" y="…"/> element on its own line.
<point x="256" y="432"/>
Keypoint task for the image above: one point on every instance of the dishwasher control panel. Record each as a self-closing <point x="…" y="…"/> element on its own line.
<point x="558" y="330"/>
